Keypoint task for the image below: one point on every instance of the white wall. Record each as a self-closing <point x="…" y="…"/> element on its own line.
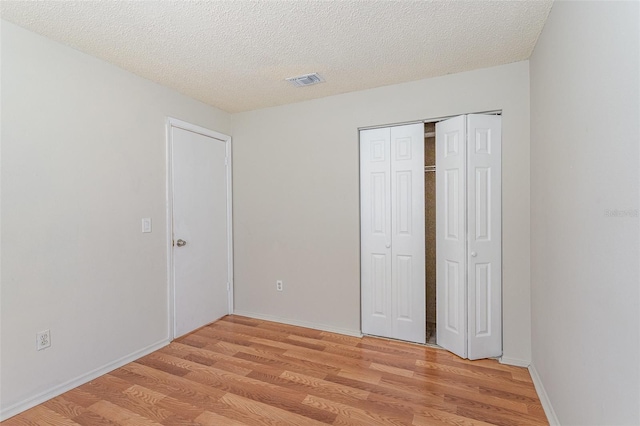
<point x="83" y="160"/>
<point x="584" y="162"/>
<point x="296" y="200"/>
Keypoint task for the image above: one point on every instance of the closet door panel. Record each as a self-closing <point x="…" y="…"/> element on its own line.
<point x="408" y="233"/>
<point x="451" y="274"/>
<point x="375" y="231"/>
<point x="485" y="236"/>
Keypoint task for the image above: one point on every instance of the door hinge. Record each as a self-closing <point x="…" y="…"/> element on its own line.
<point x="226" y="160"/>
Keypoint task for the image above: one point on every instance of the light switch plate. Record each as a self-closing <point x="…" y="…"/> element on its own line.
<point x="146" y="224"/>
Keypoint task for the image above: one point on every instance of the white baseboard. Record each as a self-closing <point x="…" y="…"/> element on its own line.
<point x="299" y="323"/>
<point x="514" y="361"/>
<point x="544" y="398"/>
<point x="30" y="402"/>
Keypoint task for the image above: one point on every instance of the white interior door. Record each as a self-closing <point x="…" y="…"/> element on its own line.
<point x="469" y="235"/>
<point x="408" y="239"/>
<point x="451" y="273"/>
<point x="375" y="232"/>
<point x="392" y="232"/>
<point x="484" y="236"/>
<point x="200" y="229"/>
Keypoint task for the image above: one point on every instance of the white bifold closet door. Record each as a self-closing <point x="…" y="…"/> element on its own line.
<point x="468" y="236"/>
<point x="392" y="232"/>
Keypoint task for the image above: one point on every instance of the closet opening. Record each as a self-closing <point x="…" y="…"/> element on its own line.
<point x="430" y="233"/>
<point x="430" y="229"/>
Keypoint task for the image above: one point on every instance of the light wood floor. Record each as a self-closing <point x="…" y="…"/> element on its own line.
<point x="241" y="371"/>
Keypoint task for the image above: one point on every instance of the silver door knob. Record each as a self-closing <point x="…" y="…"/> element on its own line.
<point x="474" y="254"/>
<point x="181" y="243"/>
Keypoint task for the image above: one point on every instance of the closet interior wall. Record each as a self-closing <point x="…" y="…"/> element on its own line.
<point x="430" y="228"/>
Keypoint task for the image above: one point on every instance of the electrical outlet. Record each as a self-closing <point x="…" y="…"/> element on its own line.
<point x="279" y="285"/>
<point x="43" y="340"/>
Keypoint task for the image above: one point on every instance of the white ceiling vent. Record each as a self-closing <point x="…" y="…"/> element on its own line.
<point x="305" y="80"/>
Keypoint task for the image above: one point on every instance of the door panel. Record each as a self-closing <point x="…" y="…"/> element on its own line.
<point x="375" y="231"/>
<point x="408" y="246"/>
<point x="485" y="239"/>
<point x="392" y="232"/>
<point x="200" y="267"/>
<point x="451" y="289"/>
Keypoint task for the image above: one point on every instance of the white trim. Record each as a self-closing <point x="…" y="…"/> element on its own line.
<point x="46" y="395"/>
<point x="229" y="164"/>
<point x="298" y="323"/>
<point x="169" y="232"/>
<point x="429" y="120"/>
<point x="514" y="361"/>
<point x="173" y="122"/>
<point x="552" y="418"/>
<point x="384" y="126"/>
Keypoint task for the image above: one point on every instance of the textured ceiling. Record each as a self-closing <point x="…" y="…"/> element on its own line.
<point x="235" y="55"/>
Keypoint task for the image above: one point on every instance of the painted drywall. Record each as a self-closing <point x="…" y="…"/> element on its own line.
<point x="584" y="212"/>
<point x="83" y="160"/>
<point x="296" y="196"/>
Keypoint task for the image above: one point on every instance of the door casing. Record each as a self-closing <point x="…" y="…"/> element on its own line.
<point x="175" y="123"/>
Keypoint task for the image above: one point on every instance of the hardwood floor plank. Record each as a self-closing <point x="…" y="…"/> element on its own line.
<point x="65" y="407"/>
<point x="256" y="332"/>
<point x="81" y="397"/>
<point x="384" y="395"/>
<point x="468" y="371"/>
<point x="145" y="395"/>
<point x="313" y="384"/>
<point x="304" y="365"/>
<point x="208" y="418"/>
<point x="522" y="374"/>
<point x="240" y="320"/>
<point x="498" y="412"/>
<point x="120" y="415"/>
<point x="366" y="376"/>
<point x="266" y="414"/>
<point x="179" y="383"/>
<point x="185" y="409"/>
<point x="436" y="417"/>
<point x="177" y="420"/>
<point x="368" y="355"/>
<point x="265" y="393"/>
<point x="389" y="369"/>
<point x="343" y="339"/>
<point x="89" y="418"/>
<point x="444" y="388"/>
<point x="42" y="416"/>
<point x="126" y="403"/>
<point x="243" y="371"/>
<point x="493" y="418"/>
<point x="439" y="371"/>
<point x="350" y="415"/>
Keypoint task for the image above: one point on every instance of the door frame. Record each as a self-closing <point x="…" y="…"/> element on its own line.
<point x="179" y="124"/>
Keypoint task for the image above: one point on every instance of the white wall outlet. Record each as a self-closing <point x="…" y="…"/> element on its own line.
<point x="279" y="285"/>
<point x="146" y="224"/>
<point x="43" y="340"/>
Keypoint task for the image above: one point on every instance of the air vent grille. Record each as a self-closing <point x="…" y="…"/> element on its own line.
<point x="305" y="80"/>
